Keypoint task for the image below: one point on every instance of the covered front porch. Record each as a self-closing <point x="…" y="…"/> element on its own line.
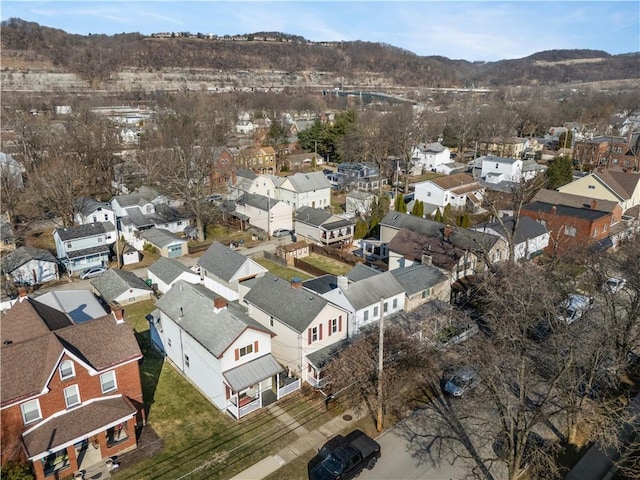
<point x="257" y="384"/>
<point x="316" y="362"/>
<point x="83" y="437"/>
<point x="87" y="258"/>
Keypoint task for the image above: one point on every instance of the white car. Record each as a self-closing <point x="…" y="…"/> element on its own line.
<point x="462" y="380"/>
<point x="92" y="272"/>
<point x="574" y="307"/>
<point x="614" y="284"/>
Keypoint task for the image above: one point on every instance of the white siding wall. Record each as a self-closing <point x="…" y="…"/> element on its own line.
<point x="220" y="289"/>
<point x="248" y="337"/>
<point x="429" y="192"/>
<point x="44" y="272"/>
<point x="136" y="295"/>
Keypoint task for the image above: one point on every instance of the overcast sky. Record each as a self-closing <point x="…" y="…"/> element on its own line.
<point x="476" y="30"/>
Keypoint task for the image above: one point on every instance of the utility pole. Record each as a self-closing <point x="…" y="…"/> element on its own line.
<point x="380" y="365"/>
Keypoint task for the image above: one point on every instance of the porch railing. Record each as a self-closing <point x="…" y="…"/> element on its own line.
<point x="289" y="388"/>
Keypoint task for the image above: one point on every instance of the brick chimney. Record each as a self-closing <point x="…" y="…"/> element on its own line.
<point x="553" y="210"/>
<point x="447" y="231"/>
<point x="219" y="303"/>
<point x="594" y="203"/>
<point x="426" y="259"/>
<point x="343" y="282"/>
<point x="118" y="313"/>
<point x="296" y="282"/>
<point x="22" y="294"/>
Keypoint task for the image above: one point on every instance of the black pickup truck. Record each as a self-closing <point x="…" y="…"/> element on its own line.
<point x="344" y="457"/>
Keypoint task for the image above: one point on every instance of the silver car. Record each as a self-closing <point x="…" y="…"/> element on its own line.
<point x="462" y="380"/>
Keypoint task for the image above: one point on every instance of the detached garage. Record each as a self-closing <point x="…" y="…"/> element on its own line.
<point x="168" y="244"/>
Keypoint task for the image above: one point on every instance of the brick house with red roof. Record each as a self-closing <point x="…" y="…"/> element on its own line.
<point x="71" y="394"/>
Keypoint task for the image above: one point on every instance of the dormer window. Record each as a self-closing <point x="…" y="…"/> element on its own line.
<point x="67" y="370"/>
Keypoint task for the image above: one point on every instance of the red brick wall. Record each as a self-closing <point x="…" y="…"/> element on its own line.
<point x="560" y="242"/>
<point x="127" y="381"/>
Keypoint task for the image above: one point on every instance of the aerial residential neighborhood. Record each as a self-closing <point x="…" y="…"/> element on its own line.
<point x="242" y="281"/>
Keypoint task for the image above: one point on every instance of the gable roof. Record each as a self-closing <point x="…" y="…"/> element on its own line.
<point x="527" y="229"/>
<point x="143" y="196"/>
<point x="22" y="255"/>
<point x="113" y="283"/>
<point x="34" y="337"/>
<point x="494" y="159"/>
<point x="161" y="237"/>
<point x="295" y="307"/>
<point x="418" y="277"/>
<point x="308" y="182"/>
<point x="221" y="261"/>
<point x="87" y="205"/>
<point x="360" y="272"/>
<point x="312" y="216"/>
<point x="79" y="305"/>
<point x="413" y="245"/>
<point x="370" y="290"/>
<point x="192" y="308"/>
<point x="261" y="202"/>
<point x="167" y="269"/>
<point x="553" y="197"/>
<point x="565" y="211"/>
<point x="80" y="231"/>
<point x="623" y="184"/>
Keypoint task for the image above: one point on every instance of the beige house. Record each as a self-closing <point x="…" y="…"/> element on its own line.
<point x="615" y="186"/>
<point x="167" y="244"/>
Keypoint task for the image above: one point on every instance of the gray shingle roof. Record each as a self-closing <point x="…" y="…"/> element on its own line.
<point x="308" y="182"/>
<point x="527" y="229"/>
<point x="370" y="290"/>
<point x="312" y="216"/>
<point x="86" y="205"/>
<point x="295" y="307"/>
<point x="86" y="252"/>
<point x="258" y="201"/>
<point x="113" y="283"/>
<point x="191" y="307"/>
<point x="361" y="271"/>
<point x="253" y="372"/>
<point x="221" y="261"/>
<point x="322" y="284"/>
<point x="167" y="269"/>
<point x="80" y="231"/>
<point x="161" y="237"/>
<point x="417" y="278"/>
<point x="22" y="255"/>
<point x="144" y="195"/>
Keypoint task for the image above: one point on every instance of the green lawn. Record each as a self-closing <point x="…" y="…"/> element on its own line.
<point x="198" y="440"/>
<point x="281" y="271"/>
<point x="327" y="264"/>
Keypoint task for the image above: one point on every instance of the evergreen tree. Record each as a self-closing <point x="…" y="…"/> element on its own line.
<point x="560" y="172"/>
<point x="399" y="205"/>
<point x="361" y="229"/>
<point x="447" y="216"/>
<point x="466" y="221"/>
<point x="438" y="216"/>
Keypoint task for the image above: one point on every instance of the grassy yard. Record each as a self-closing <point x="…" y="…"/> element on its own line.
<point x="199" y="441"/>
<point x="283" y="272"/>
<point x="327" y="264"/>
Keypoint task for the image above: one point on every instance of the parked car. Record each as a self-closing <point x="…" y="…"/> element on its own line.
<point x="92" y="272"/>
<point x="282" y="232"/>
<point x="215" y="198"/>
<point x="463" y="380"/>
<point x="614" y="284"/>
<point x="344" y="457"/>
<point x="574" y="307"/>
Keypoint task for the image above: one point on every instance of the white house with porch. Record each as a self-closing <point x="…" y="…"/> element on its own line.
<point x="82" y="246"/>
<point x="220" y="349"/>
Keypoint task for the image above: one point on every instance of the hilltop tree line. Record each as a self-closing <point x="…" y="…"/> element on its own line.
<point x="97" y="57"/>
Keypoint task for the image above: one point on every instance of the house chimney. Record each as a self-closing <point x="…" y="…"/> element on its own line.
<point x="219" y="303"/>
<point x="448" y="229"/>
<point x="22" y="294"/>
<point x="594" y="203"/>
<point x="426" y="259"/>
<point x="553" y="210"/>
<point x="343" y="282"/>
<point x="296" y="282"/>
<point x="118" y="313"/>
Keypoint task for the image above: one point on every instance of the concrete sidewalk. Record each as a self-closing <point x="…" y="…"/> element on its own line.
<point x="307" y="441"/>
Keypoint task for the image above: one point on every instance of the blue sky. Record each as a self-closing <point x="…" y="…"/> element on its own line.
<point x="474" y="30"/>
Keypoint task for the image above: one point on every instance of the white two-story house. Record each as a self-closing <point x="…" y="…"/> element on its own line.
<point x="429" y="157"/>
<point x="82" y="246"/>
<point x="220" y="349"/>
<point x="88" y="210"/>
<point x="460" y="190"/>
<point x="304" y="323"/>
<point x="305" y="190"/>
<point x="265" y="213"/>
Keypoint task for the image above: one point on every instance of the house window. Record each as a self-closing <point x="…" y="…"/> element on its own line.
<point x="366" y="315"/>
<point x="314" y="334"/>
<point x="71" y="396"/>
<point x="186" y="360"/>
<point x="271" y="321"/>
<point x="333" y="325"/>
<point x="179" y="223"/>
<point x="108" y="381"/>
<point x="428" y="194"/>
<point x="31" y="411"/>
<point x="426" y="292"/>
<point x="385" y="307"/>
<point x="67" y="370"/>
<point x="169" y="342"/>
<point x="570" y="231"/>
<point x="246" y="350"/>
<point x="68" y="245"/>
<point x="395" y="303"/>
<point x="100" y="239"/>
<point x="595" y="232"/>
<point x="497" y="165"/>
<point x="106" y="217"/>
<point x="375" y="311"/>
<point x="592" y="187"/>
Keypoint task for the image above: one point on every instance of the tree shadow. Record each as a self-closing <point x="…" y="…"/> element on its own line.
<point x="150" y="369"/>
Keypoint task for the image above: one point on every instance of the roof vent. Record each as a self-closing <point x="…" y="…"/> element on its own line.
<point x="7" y="342"/>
